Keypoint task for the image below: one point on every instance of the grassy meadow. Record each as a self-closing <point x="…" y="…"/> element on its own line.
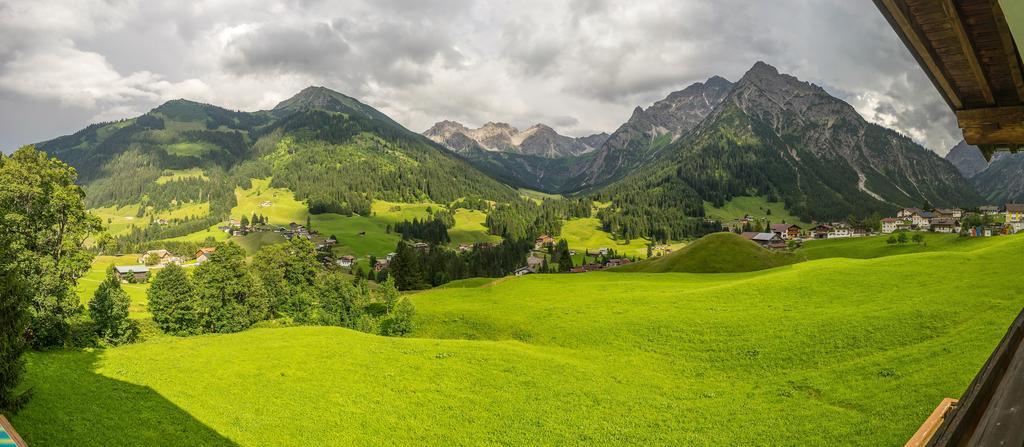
<point x="88" y="284"/>
<point x="757" y="207"/>
<point x="826" y="352"/>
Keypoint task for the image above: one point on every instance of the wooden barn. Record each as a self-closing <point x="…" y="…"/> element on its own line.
<point x="969" y="49"/>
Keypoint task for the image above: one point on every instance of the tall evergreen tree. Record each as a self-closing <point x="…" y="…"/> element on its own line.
<point x="172" y="300"/>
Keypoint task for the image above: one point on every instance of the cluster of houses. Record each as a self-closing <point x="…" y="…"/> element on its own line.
<point x="158" y="259"/>
<point x="1000" y="221"/>
<point x="1006" y="220"/>
<point x="535" y="262"/>
<point x="292" y="230"/>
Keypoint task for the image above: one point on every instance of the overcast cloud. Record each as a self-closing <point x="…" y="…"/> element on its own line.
<point x="580" y="66"/>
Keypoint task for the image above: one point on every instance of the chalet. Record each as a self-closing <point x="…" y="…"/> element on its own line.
<point x="921" y="220"/>
<point x="945" y="225"/>
<point x="770" y="240"/>
<point x="906" y="213"/>
<point x="859" y="231"/>
<point x="346" y="261"/>
<point x="465" y="247"/>
<point x="543" y="241"/>
<point x="163" y="257"/>
<point x="988" y="210"/>
<point x="265" y="204"/>
<point x="391" y="256"/>
<point x="838" y="231"/>
<point x="421" y="246"/>
<point x="617" y="262"/>
<point x="524" y="271"/>
<point x="132" y="273"/>
<point x="894" y="224"/>
<point x="203" y="254"/>
<point x="951" y="213"/>
<point x="1014" y="212"/>
<point x="749" y="235"/>
<point x="380" y="265"/>
<point x="820" y="231"/>
<point x="786" y="231"/>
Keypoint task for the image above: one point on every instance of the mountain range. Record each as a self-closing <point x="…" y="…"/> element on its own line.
<point x="999" y="181"/>
<point x="768" y="134"/>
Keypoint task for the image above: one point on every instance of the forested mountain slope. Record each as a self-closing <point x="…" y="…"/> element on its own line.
<point x="791" y="141"/>
<point x="330" y="149"/>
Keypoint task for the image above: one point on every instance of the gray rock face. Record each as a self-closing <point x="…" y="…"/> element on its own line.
<point x="1002" y="181"/>
<point x="967" y="159"/>
<point x="649" y="130"/>
<point x="539" y="140"/>
<point x="815" y="144"/>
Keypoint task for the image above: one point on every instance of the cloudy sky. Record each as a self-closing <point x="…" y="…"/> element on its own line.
<point x="580" y="66"/>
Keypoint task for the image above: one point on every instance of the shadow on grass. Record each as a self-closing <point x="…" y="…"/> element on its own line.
<point x="72" y="405"/>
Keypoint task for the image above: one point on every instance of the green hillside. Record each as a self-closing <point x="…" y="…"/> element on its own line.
<point x="827" y="352"/>
<point x="756" y="207"/>
<point x="876" y="246"/>
<point x="715" y="253"/>
<point x="335" y="154"/>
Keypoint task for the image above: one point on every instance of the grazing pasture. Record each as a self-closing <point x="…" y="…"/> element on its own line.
<point x="826" y="352"/>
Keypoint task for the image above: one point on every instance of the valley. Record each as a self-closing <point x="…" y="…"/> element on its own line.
<point x="602" y="358"/>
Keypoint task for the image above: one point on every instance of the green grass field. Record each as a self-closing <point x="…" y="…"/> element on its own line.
<point x="119" y="220"/>
<point x="876" y="246"/>
<point x="827" y="352"/>
<point x="586" y="234"/>
<point x="756" y="207"/>
<point x="88" y="284"/>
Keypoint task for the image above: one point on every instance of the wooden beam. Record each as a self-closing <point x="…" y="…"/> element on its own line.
<point x="922" y="50"/>
<point x="1009" y="49"/>
<point x="10" y="432"/>
<point x="932" y="424"/>
<point x="998" y="126"/>
<point x="968" y="49"/>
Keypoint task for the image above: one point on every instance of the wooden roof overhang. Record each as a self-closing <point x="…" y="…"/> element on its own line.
<point x="967" y="49"/>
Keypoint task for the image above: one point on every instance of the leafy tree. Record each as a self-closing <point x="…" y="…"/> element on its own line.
<point x="918" y="238"/>
<point x="892" y="240"/>
<point x="230" y="298"/>
<point x="151" y="259"/>
<point x="43" y="217"/>
<point x="288" y="274"/>
<point x="109" y="312"/>
<point x="340" y="303"/>
<point x="399" y="320"/>
<point x="15" y="300"/>
<point x="902" y="238"/>
<point x="173" y="302"/>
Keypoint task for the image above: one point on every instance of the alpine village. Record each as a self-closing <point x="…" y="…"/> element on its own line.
<point x="745" y="258"/>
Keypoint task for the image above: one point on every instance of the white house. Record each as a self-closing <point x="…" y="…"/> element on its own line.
<point x="346" y="261"/>
<point x="839" y="231"/>
<point x="892" y="225"/>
